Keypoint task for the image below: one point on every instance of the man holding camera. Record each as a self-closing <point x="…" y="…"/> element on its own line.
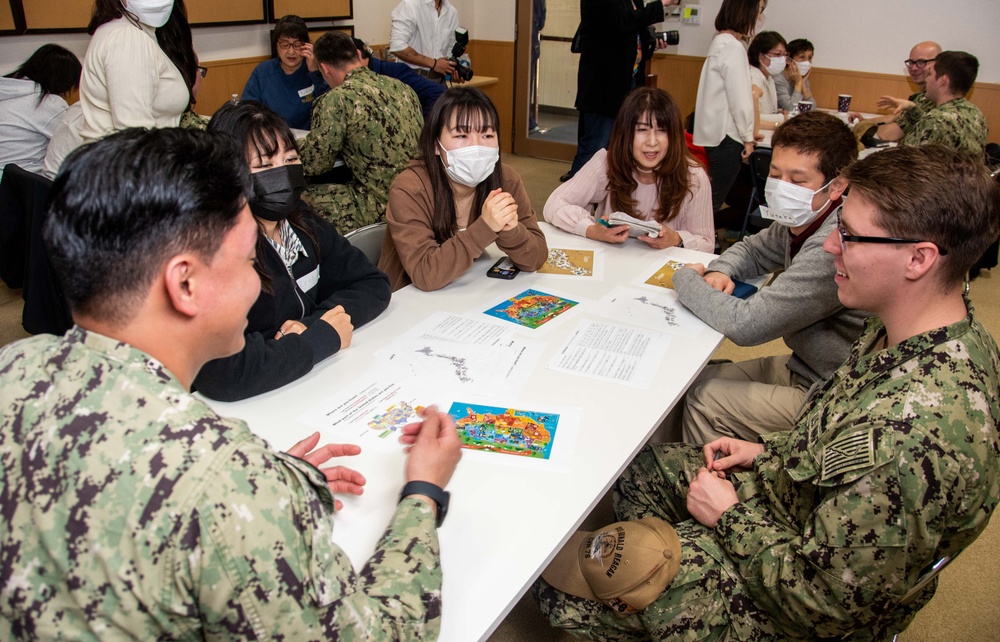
<point x="423" y="35"/>
<point x="614" y="44"/>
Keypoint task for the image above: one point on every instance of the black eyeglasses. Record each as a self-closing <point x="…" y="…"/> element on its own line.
<point x="919" y="63"/>
<point x="846" y="238"/>
<point x="202" y="71"/>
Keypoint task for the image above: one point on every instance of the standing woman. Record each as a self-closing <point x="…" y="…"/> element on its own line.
<point x="724" y="116"/>
<point x="128" y="79"/>
<point x="646" y="172"/>
<point x="33" y="99"/>
<point x="457" y="198"/>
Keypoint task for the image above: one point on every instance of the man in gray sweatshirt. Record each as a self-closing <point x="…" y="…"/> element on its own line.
<point x="800" y="305"/>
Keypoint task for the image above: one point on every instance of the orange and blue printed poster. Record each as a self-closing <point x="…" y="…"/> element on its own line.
<point x="509" y="431"/>
<point x="531" y="308"/>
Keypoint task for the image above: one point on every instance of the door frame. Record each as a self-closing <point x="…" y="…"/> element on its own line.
<point x="523" y="145"/>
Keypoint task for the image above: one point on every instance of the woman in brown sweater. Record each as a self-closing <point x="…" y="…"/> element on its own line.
<point x="456" y="199"/>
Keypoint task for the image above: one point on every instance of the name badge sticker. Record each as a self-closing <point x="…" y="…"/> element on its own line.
<point x="309" y="281"/>
<point x="305" y="92"/>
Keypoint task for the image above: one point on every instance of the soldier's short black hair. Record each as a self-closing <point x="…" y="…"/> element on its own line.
<point x="122" y="206"/>
<point x="335" y="48"/>
<point x="960" y="67"/>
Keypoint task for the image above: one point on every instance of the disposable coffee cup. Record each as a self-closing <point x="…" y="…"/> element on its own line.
<point x="805" y="105"/>
<point x="844" y="102"/>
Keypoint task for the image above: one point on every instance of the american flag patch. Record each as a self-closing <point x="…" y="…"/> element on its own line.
<point x="848" y="452"/>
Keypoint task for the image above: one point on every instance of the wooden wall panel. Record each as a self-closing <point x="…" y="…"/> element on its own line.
<point x="225" y="78"/>
<point x="57" y="14"/>
<point x="496" y="58"/>
<point x="6" y="17"/>
<point x="313" y="9"/>
<point x="214" y="11"/>
<point x="678" y="76"/>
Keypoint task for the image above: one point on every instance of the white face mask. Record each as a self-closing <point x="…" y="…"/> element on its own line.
<point x="154" y="13"/>
<point x="775" y="65"/>
<point x="470" y="165"/>
<point x="804" y="67"/>
<point x="790" y="204"/>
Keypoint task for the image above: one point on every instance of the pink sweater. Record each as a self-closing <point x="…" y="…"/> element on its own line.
<point x="571" y="207"/>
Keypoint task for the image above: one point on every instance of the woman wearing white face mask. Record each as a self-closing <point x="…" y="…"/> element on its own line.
<point x="456" y="199"/>
<point x="129" y="79"/>
<point x="793" y="85"/>
<point x="767" y="57"/>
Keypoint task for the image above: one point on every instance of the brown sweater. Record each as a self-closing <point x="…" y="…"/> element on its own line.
<point x="410" y="253"/>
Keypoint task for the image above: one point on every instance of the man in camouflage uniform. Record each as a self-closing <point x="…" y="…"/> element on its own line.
<point x="128" y="508"/>
<point x="953" y="120"/>
<point x="918" y="65"/>
<point x="373" y="122"/>
<point x="821" y="532"/>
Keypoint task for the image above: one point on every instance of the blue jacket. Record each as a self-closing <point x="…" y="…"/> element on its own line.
<point x="284" y="93"/>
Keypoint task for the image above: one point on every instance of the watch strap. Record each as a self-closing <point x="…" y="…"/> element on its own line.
<point x="435" y="492"/>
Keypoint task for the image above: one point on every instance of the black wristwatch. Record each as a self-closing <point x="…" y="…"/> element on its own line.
<point x="435" y="492"/>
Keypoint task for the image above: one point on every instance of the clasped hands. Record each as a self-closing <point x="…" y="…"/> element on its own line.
<point x="710" y="493"/>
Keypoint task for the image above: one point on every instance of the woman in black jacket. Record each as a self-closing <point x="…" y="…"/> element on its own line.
<point x="315" y="286"/>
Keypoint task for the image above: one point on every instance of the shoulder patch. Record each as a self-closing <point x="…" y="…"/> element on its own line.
<point x="848" y="452"/>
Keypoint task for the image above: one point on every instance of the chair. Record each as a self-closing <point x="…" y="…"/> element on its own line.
<point x="760" y="166"/>
<point x="368" y="239"/>
<point x="23" y="196"/>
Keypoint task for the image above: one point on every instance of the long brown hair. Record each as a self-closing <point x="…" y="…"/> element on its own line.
<point x="673" y="176"/>
<point x="473" y="111"/>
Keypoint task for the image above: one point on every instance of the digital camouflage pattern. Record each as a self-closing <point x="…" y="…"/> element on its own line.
<point x="373" y="122"/>
<point x="956" y="123"/>
<point x="192" y="120"/>
<point x="130" y="510"/>
<point x="893" y="463"/>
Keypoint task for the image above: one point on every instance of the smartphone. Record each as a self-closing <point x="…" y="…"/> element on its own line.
<point x="743" y="290"/>
<point x="503" y="269"/>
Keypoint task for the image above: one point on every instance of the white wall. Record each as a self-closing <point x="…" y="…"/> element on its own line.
<point x="861" y="35"/>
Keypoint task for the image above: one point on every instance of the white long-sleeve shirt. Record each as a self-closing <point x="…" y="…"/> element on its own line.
<point x="417" y="24"/>
<point x="128" y="82"/>
<point x="724" y="106"/>
<point x="570" y="206"/>
<point x="768" y="102"/>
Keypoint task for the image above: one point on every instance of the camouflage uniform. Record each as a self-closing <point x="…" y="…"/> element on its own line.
<point x="373" y="122"/>
<point x="191" y="120"/>
<point x="921" y="104"/>
<point x="130" y="510"/>
<point x="956" y="123"/>
<point x="893" y="463"/>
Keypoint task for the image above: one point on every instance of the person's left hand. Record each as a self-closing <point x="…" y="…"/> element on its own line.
<point x="306" y="51"/>
<point x="290" y="327"/>
<point x="709" y="497"/>
<point x="340" y="479"/>
<point x="661" y="44"/>
<point x="666" y="238"/>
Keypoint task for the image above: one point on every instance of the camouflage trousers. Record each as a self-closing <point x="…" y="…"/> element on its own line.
<point x="348" y="206"/>
<point x="705" y="601"/>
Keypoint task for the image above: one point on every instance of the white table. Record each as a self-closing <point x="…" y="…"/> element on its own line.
<point x="505" y="523"/>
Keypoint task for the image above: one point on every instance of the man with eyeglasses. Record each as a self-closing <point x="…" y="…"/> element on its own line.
<point x="918" y="65"/>
<point x="824" y="531"/>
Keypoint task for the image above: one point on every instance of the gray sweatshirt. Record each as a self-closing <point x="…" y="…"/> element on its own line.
<point x="800" y="305"/>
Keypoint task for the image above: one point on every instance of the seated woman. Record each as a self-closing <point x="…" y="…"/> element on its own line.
<point x="315" y="286"/>
<point x="289" y="83"/>
<point x="33" y="99"/>
<point x="767" y="57"/>
<point x="457" y="198"/>
<point x="793" y="85"/>
<point x="647" y="172"/>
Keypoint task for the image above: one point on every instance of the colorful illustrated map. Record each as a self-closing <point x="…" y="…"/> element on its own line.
<point x="531" y="308"/>
<point x="664" y="277"/>
<point x="394" y="418"/>
<point x="509" y="431"/>
<point x="569" y="262"/>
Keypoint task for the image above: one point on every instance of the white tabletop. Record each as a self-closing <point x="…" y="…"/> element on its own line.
<point x="505" y="523"/>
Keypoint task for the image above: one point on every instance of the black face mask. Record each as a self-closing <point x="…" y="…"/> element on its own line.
<point x="276" y="192"/>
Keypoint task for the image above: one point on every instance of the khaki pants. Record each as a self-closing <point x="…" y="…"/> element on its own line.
<point x="741" y="400"/>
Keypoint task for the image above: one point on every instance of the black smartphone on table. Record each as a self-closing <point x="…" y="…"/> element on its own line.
<point x="503" y="269"/>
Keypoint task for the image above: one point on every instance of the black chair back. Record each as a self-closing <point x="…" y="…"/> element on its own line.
<point x="760" y="166"/>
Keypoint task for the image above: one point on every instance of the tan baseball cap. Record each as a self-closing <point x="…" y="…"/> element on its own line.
<point x="626" y="565"/>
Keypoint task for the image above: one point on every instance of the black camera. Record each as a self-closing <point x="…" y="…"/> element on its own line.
<point x="669" y="37"/>
<point x="461" y="41"/>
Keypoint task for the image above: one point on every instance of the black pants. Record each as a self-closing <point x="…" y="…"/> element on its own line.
<point x="724" y="161"/>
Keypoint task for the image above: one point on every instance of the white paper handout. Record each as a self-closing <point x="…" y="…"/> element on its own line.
<point x="612" y="352"/>
<point x="370" y="413"/>
<point x="658" y="310"/>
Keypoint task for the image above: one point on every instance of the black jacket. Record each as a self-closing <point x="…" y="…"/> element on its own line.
<point x="346" y="277"/>
<point x="607" y="37"/>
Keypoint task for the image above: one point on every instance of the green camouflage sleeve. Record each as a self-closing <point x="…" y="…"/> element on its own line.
<point x="866" y="535"/>
<point x="319" y="149"/>
<point x="266" y="567"/>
